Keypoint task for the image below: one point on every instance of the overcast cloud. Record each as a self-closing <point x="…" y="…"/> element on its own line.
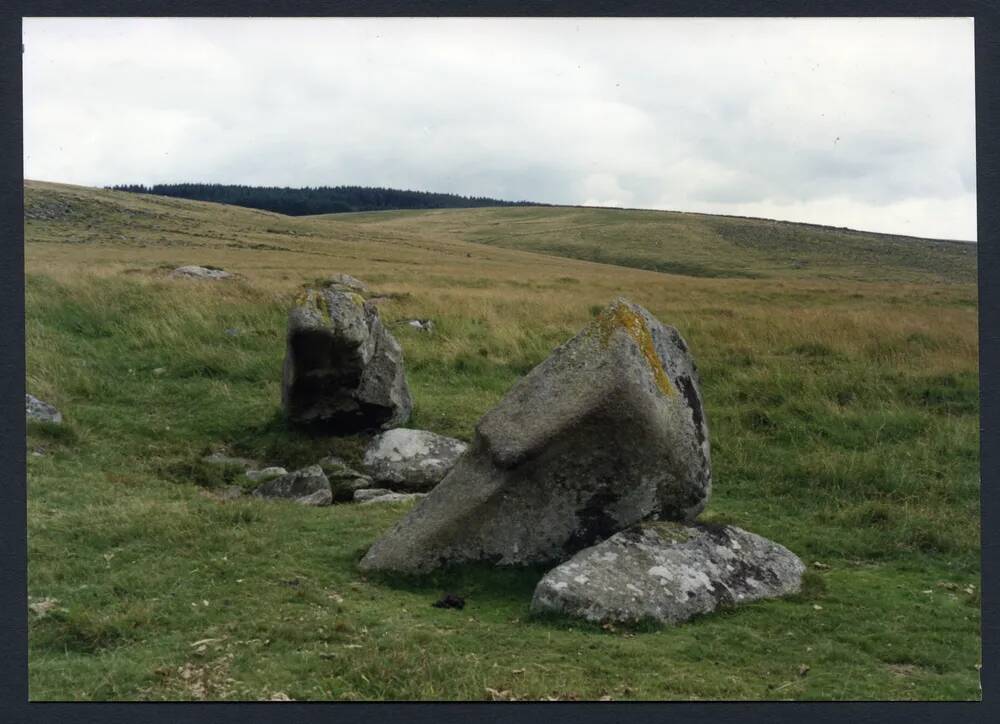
<point x="862" y="123"/>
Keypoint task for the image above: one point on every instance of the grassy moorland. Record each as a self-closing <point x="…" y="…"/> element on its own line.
<point x="841" y="393"/>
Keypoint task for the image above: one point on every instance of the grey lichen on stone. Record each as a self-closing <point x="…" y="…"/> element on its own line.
<point x="265" y="474"/>
<point x="653" y="572"/>
<point x="411" y="460"/>
<point x="606" y="432"/>
<point x="382" y="495"/>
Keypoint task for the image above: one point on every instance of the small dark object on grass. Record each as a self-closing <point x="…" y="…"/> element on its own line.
<point x="450" y="600"/>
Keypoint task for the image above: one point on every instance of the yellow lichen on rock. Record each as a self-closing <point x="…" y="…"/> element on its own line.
<point x="619" y="315"/>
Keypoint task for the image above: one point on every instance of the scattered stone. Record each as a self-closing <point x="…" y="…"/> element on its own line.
<point x="264" y="474"/>
<point x="344" y="480"/>
<point x="343" y="369"/>
<point x="425" y="325"/>
<point x="366" y="497"/>
<point x="404" y="459"/>
<point x="450" y="600"/>
<point x="200" y="272"/>
<point x="43" y="606"/>
<point x="364" y="494"/>
<point x="159" y="371"/>
<point x="40" y="411"/>
<point x="232" y="332"/>
<point x="667" y="572"/>
<point x="308" y="486"/>
<point x="607" y="431"/>
<point x="219" y="458"/>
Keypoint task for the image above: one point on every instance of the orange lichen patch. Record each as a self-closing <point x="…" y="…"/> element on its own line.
<point x="620" y="316"/>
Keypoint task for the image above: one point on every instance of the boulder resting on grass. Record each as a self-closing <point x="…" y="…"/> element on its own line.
<point x="344" y="480"/>
<point x="39" y="411"/>
<point x="666" y="573"/>
<point x="343" y="369"/>
<point x="411" y="460"/>
<point x="200" y="272"/>
<point x="308" y="486"/>
<point x="607" y="431"/>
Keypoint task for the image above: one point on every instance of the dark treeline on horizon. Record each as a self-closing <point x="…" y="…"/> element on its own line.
<point x="315" y="200"/>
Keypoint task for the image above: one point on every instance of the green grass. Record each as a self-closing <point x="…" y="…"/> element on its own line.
<point x="844" y="425"/>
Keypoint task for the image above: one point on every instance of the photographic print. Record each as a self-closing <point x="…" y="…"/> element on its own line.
<point x="501" y="359"/>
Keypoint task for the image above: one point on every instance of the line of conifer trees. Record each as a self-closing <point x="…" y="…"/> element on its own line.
<point x="315" y="200"/>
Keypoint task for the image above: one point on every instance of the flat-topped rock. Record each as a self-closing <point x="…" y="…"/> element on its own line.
<point x="667" y="573"/>
<point x="200" y="272"/>
<point x="607" y="431"/>
<point x="382" y="495"/>
<point x="411" y="460"/>
<point x="343" y="369"/>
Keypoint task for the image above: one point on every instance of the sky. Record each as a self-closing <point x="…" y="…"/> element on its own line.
<point x="863" y="123"/>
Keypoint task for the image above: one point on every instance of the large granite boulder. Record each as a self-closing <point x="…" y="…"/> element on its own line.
<point x="667" y="572"/>
<point x="410" y="460"/>
<point x="604" y="433"/>
<point x="308" y="486"/>
<point x="35" y="409"/>
<point x="343" y="369"/>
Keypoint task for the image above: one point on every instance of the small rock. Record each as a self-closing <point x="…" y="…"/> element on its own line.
<point x="40" y="411"/>
<point x="259" y="476"/>
<point x="308" y="486"/>
<point x="404" y="459"/>
<point x="200" y="272"/>
<point x="219" y="458"/>
<point x="232" y="332"/>
<point x="667" y="572"/>
<point x="364" y="494"/>
<point x="159" y="371"/>
<point x="425" y="325"/>
<point x="450" y="600"/>
<point x="376" y="495"/>
<point x="344" y="480"/>
<point x="230" y="492"/>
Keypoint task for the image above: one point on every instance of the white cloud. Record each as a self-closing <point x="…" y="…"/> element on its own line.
<point x="866" y="123"/>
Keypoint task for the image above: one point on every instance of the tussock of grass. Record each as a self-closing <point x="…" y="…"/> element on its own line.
<point x="843" y="409"/>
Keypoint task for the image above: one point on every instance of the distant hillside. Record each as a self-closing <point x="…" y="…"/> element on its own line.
<point x="318" y="200"/>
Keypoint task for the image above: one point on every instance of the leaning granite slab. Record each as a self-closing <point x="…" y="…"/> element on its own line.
<point x="35" y="409"/>
<point x="668" y="572"/>
<point x="383" y="495"/>
<point x="411" y="460"/>
<point x="200" y="272"/>
<point x="308" y="486"/>
<point x="343" y="369"/>
<point x="344" y="480"/>
<point x="606" y="432"/>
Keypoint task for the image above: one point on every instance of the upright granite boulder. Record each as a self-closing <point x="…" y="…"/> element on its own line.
<point x="343" y="369"/>
<point x="666" y="573"/>
<point x="607" y="431"/>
